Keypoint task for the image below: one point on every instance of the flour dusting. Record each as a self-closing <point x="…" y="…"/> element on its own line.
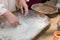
<point x="29" y="26"/>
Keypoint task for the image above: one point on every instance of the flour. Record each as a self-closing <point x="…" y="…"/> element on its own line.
<point x="28" y="28"/>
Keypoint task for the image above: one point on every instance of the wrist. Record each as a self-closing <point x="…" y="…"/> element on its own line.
<point x="6" y="14"/>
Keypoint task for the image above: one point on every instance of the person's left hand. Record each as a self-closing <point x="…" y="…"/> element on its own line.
<point x="12" y="19"/>
<point x="22" y="4"/>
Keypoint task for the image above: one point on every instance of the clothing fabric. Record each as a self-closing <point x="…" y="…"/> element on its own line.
<point x="58" y="4"/>
<point x="11" y="4"/>
<point x="31" y="2"/>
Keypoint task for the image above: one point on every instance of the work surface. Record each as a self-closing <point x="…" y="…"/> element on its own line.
<point x="29" y="27"/>
<point x="49" y="34"/>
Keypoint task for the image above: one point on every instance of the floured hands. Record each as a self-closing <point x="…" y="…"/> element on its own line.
<point x="12" y="19"/>
<point x="22" y="4"/>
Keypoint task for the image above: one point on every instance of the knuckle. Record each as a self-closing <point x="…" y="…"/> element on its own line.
<point x="26" y="6"/>
<point x="12" y="22"/>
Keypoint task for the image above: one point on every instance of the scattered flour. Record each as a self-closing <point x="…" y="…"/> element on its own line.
<point x="28" y="28"/>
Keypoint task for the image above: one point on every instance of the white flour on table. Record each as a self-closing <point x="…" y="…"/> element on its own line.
<point x="28" y="28"/>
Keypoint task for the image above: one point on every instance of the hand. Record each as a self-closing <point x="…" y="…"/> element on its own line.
<point x="22" y="4"/>
<point x="12" y="19"/>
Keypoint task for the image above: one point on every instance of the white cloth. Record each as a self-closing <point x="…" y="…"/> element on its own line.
<point x="7" y="5"/>
<point x="58" y="4"/>
<point x="10" y="4"/>
<point x="2" y="9"/>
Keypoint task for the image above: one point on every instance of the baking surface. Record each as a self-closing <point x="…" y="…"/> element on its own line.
<point x="29" y="26"/>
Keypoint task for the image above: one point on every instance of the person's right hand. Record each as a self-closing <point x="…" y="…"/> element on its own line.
<point x="12" y="19"/>
<point x="22" y="4"/>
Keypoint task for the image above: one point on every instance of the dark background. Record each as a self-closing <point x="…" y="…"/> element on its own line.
<point x="31" y="2"/>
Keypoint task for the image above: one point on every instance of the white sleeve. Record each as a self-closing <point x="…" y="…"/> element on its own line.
<point x="2" y="9"/>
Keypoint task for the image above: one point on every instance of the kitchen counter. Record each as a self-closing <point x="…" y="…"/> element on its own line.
<point x="49" y="34"/>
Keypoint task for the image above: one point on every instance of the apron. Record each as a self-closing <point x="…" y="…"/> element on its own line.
<point x="9" y="4"/>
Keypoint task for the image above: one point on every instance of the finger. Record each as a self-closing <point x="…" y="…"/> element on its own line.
<point x="20" y="6"/>
<point x="26" y="11"/>
<point x="14" y="25"/>
<point x="17" y="22"/>
<point x="21" y="9"/>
